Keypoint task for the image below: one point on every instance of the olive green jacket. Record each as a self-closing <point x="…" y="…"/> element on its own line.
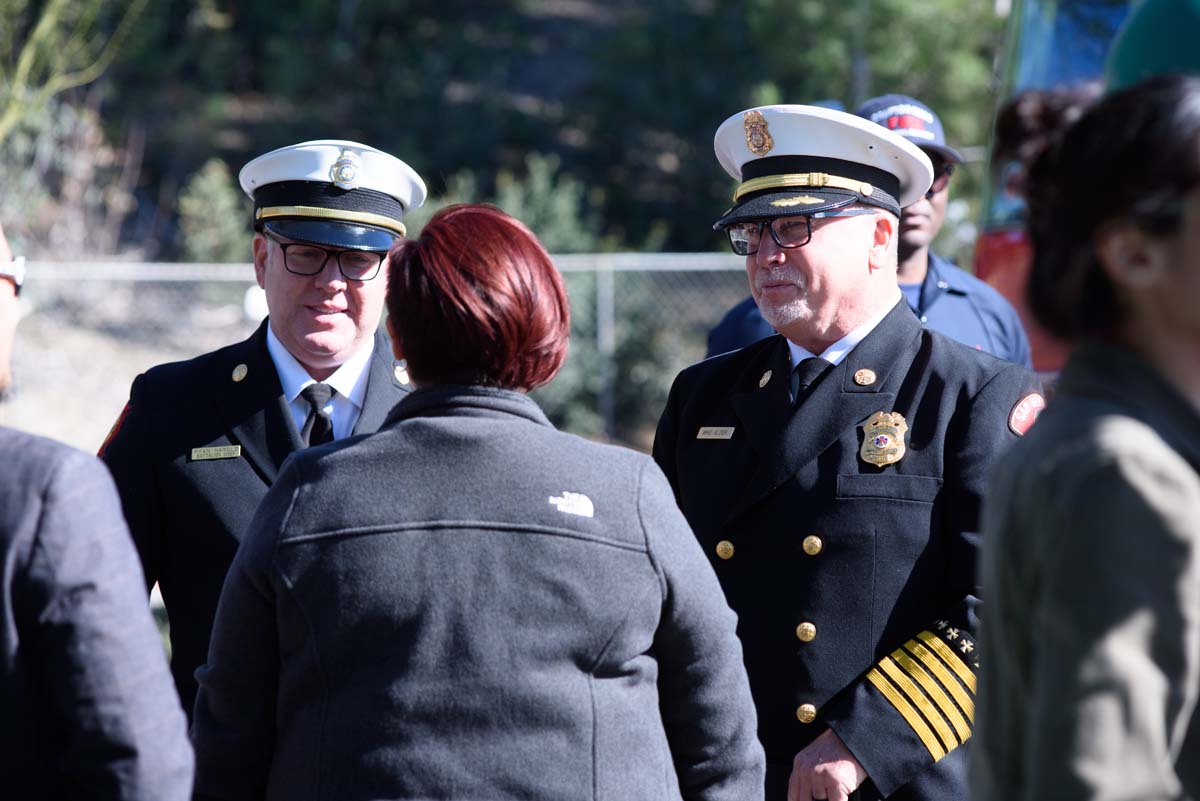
<point x="1091" y="634"/>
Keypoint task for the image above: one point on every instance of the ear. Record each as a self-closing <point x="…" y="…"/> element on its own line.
<point x="259" y="246"/>
<point x="1130" y="257"/>
<point x="883" y="247"/>
<point x="397" y="352"/>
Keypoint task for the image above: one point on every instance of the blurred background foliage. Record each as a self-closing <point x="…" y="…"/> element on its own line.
<point x="123" y="124"/>
<point x="591" y="121"/>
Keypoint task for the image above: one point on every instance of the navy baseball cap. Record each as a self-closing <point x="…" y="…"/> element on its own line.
<point x="911" y="119"/>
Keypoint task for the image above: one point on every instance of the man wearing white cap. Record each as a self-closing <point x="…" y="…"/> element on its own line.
<point x="200" y="441"/>
<point x="834" y="474"/>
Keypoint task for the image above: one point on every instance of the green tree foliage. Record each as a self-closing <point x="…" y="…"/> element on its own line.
<point x="49" y="47"/>
<point x="590" y="120"/>
<point x="212" y="216"/>
<point x="623" y="94"/>
<point x="552" y="203"/>
<point x="66" y="190"/>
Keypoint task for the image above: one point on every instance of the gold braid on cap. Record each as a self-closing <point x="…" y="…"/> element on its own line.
<point x="815" y="180"/>
<point x="334" y="215"/>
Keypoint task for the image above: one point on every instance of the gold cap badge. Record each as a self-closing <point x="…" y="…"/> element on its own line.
<point x="240" y="372"/>
<point x="766" y="377"/>
<point x="758" y="138"/>
<point x="344" y="172"/>
<point x="883" y="438"/>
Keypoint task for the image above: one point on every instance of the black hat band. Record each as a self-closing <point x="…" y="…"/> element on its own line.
<point x="331" y="215"/>
<point x="807" y="180"/>
<point x="840" y="169"/>
<point x="325" y="201"/>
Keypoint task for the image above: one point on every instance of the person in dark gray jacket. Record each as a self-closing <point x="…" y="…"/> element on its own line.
<point x="87" y="708"/>
<point x="471" y="604"/>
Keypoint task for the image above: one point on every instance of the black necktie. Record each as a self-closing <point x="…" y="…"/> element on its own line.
<point x="805" y="374"/>
<point x="318" y="426"/>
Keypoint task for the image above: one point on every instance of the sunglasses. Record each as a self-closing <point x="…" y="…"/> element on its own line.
<point x="941" y="179"/>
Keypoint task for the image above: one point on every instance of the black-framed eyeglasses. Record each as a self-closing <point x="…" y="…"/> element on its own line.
<point x="301" y="258"/>
<point x="793" y="231"/>
<point x="941" y="179"/>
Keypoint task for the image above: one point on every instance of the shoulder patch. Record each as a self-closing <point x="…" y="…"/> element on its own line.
<point x="112" y="432"/>
<point x="1025" y="412"/>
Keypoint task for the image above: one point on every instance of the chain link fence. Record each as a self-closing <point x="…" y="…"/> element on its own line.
<point x="89" y="328"/>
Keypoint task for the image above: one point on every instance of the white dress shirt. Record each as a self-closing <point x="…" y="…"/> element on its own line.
<point x="349" y="383"/>
<point x="838" y="351"/>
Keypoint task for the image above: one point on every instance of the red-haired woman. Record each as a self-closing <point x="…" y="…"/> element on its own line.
<point x="470" y="604"/>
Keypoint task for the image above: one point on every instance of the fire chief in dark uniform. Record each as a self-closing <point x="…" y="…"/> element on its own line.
<point x="834" y="474"/>
<point x="201" y="441"/>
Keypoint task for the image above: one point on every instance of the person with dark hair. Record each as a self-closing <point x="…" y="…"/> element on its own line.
<point x="834" y="474"/>
<point x="945" y="298"/>
<point x="1092" y="550"/>
<point x="87" y="710"/>
<point x="201" y="441"/>
<point x="471" y="604"/>
<point x="1028" y="121"/>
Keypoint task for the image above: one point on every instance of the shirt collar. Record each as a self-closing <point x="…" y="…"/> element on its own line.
<point x="349" y="380"/>
<point x="945" y="275"/>
<point x="836" y="352"/>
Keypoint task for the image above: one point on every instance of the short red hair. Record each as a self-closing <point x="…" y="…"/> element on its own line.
<point x="477" y="300"/>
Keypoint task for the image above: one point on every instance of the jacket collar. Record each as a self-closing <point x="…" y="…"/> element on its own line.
<point x="942" y="272"/>
<point x="450" y="400"/>
<point x="1119" y="376"/>
<point x="785" y="439"/>
<point x="384" y="390"/>
<point x="252" y="407"/>
<point x="255" y="412"/>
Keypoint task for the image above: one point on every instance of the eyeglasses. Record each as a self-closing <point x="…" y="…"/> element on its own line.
<point x="941" y="179"/>
<point x="793" y="231"/>
<point x="301" y="258"/>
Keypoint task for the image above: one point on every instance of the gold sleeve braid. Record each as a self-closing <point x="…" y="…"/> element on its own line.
<point x="932" y="688"/>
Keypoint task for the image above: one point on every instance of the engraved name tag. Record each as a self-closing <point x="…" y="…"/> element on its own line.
<point x="715" y="432"/>
<point x="221" y="452"/>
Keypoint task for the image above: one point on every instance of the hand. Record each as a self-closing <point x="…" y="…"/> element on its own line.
<point x="825" y="769"/>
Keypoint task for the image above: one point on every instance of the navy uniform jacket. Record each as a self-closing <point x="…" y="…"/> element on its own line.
<point x="186" y="509"/>
<point x="953" y="302"/>
<point x="87" y="710"/>
<point x="527" y="615"/>
<point x="854" y="584"/>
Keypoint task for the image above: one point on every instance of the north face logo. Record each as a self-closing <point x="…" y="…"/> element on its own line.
<point x="573" y="503"/>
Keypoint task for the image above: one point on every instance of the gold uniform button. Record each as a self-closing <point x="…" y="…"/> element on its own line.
<point x="806" y="713"/>
<point x="813" y="545"/>
<point x="725" y="549"/>
<point x="806" y="631"/>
